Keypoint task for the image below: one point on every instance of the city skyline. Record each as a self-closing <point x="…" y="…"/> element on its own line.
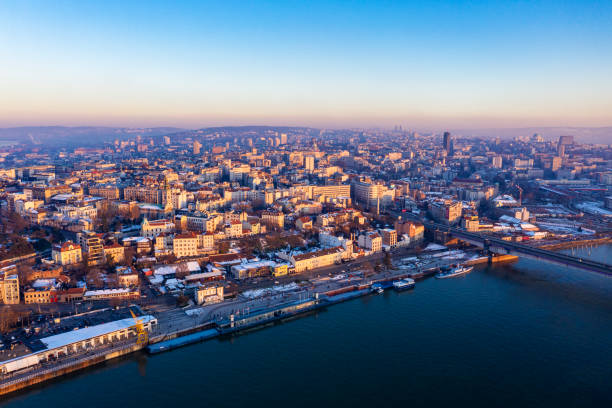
<point x="455" y="65"/>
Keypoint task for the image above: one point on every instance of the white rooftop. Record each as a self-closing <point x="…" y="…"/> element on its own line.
<point x="64" y="339"/>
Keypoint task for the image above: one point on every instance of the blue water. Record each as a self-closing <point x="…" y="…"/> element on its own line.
<point x="528" y="334"/>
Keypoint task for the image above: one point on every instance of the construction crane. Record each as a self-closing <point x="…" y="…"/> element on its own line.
<point x="142" y="336"/>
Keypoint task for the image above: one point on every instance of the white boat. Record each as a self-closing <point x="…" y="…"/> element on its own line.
<point x="403" y="284"/>
<point x="454" y="272"/>
<point x="377" y="287"/>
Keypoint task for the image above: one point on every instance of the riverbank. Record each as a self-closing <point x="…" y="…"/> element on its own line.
<point x="27" y="381"/>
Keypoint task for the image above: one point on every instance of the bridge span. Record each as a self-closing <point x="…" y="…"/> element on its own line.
<point x="500" y="246"/>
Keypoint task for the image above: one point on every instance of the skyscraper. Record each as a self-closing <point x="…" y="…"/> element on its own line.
<point x="447" y="142"/>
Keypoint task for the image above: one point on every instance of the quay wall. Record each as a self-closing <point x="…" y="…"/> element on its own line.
<point x="66" y="368"/>
<point x="494" y="259"/>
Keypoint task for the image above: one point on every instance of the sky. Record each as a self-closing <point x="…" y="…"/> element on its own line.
<point x="312" y="63"/>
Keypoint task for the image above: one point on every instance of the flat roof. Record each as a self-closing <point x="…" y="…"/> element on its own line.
<point x="64" y="339"/>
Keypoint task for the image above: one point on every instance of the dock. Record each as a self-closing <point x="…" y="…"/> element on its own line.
<point x="258" y="319"/>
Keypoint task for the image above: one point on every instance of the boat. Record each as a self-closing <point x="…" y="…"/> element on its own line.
<point x="378" y="288"/>
<point x="403" y="284"/>
<point x="454" y="272"/>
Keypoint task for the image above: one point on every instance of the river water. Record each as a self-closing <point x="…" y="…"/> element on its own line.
<point x="526" y="334"/>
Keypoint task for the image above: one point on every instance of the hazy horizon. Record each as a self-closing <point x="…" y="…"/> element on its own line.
<point x="73" y="134"/>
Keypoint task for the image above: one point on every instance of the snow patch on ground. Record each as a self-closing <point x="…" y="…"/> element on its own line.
<point x="274" y="290"/>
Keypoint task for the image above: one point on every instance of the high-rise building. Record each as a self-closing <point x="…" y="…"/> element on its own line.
<point x="561" y="150"/>
<point x="309" y="163"/>
<point x="447" y="142"/>
<point x="563" y="141"/>
<point x="557" y="162"/>
<point x="167" y="140"/>
<point x="283" y="138"/>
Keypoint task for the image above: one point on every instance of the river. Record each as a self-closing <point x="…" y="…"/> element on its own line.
<point x="526" y="334"/>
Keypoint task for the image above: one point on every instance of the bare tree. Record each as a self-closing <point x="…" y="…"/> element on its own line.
<point x="182" y="270"/>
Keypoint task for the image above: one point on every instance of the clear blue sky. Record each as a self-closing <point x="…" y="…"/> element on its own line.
<point x="362" y="63"/>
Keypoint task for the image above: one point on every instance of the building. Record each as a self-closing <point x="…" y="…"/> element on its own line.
<point x="330" y="192"/>
<point x="273" y="218"/>
<point x="447" y="143"/>
<point x="185" y="245"/>
<point x="497" y="162"/>
<point x="73" y="341"/>
<point x="105" y="191"/>
<point x="42" y="295"/>
<point x="71" y="295"/>
<point x="9" y="285"/>
<point x="303" y="223"/>
<point x="198" y="221"/>
<point x="316" y="259"/>
<point x="212" y="293"/>
<point x="196" y="147"/>
<point x="233" y="229"/>
<point x="151" y="229"/>
<point x="389" y="237"/>
<point x="46" y="192"/>
<point x="206" y="241"/>
<point x="372" y="195"/>
<point x="104" y="294"/>
<point x="143" y="194"/>
<point x="126" y="276"/>
<point x="253" y="269"/>
<point x="372" y="241"/>
<point x="309" y="163"/>
<point x="415" y="231"/>
<point x="557" y="163"/>
<point x="446" y="211"/>
<point x="91" y="243"/>
<point x="114" y="252"/>
<point x="67" y="253"/>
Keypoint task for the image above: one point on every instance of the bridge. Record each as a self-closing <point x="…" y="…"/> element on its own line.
<point x="500" y="246"/>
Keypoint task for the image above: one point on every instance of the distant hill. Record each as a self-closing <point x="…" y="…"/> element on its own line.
<point x="245" y="130"/>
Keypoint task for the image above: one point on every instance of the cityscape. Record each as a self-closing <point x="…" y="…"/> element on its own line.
<point x="276" y="255"/>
